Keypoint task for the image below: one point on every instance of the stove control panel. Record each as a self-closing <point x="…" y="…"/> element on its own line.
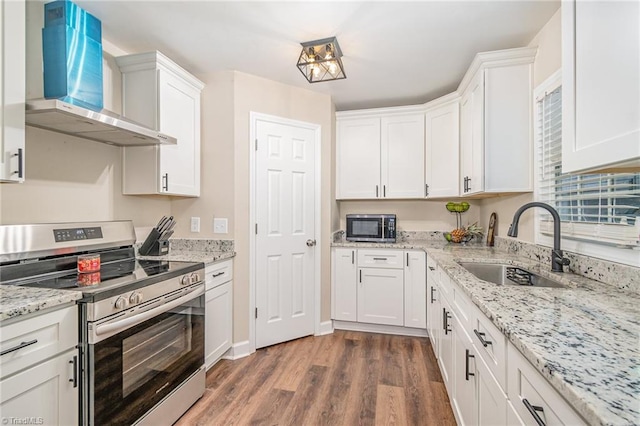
<point x="74" y="234"/>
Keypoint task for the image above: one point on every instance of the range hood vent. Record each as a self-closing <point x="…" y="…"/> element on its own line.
<point x="103" y="126"/>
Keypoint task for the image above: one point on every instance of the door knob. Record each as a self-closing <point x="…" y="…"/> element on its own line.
<point x="311" y="243"/>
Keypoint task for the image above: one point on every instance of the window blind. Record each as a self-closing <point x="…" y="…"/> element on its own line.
<point x="595" y="207"/>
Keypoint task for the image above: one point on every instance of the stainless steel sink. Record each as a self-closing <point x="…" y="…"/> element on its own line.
<point x="508" y="275"/>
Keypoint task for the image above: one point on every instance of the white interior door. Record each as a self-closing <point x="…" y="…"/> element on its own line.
<point x="285" y="212"/>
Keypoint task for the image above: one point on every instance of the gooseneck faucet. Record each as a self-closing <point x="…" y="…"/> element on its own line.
<point x="557" y="258"/>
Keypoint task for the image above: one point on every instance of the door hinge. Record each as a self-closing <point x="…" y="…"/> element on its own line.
<point x="256" y="144"/>
<point x="256" y="312"/>
<point x="256" y="229"/>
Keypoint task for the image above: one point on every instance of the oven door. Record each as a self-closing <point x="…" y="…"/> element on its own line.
<point x="134" y="369"/>
<point x="365" y="228"/>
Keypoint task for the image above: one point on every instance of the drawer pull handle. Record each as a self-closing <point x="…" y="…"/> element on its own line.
<point x="431" y="268"/>
<point x="20" y="346"/>
<point x="533" y="409"/>
<point x="74" y="380"/>
<point x="218" y="274"/>
<point x="379" y="258"/>
<point x="480" y="336"/>
<point x="445" y="321"/>
<point x="466" y="364"/>
<point x="433" y="289"/>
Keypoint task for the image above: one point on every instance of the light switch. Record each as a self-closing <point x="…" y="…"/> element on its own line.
<point x="220" y="225"/>
<point x="195" y="224"/>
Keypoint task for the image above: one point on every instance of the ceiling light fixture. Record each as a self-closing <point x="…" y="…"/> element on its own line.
<point x="320" y="60"/>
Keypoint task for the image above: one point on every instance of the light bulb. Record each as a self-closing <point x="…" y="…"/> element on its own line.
<point x="315" y="70"/>
<point x="333" y="67"/>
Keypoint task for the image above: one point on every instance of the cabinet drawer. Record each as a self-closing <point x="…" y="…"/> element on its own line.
<point x="218" y="273"/>
<point x="380" y="259"/>
<point x="491" y="344"/>
<point x="528" y="387"/>
<point x="38" y="338"/>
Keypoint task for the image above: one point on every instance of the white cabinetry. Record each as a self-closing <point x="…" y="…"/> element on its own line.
<point x="446" y="345"/>
<point x="442" y="141"/>
<point x="12" y="91"/>
<point x="379" y="286"/>
<point x="344" y="291"/>
<point x="600" y="85"/>
<point x="434" y="313"/>
<point x="218" y="310"/>
<point x="380" y="155"/>
<point x="495" y="123"/>
<point x="40" y="372"/>
<point x="161" y="95"/>
<point x="415" y="289"/>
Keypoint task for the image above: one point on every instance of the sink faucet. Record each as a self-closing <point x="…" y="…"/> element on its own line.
<point x="557" y="258"/>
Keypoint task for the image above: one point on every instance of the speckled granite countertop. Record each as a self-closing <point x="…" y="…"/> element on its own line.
<point x="584" y="339"/>
<point x="193" y="256"/>
<point x="16" y="301"/>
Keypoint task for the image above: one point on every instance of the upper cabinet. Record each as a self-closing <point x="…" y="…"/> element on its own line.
<point x="600" y="85"/>
<point x="442" y="142"/>
<point x="12" y="91"/>
<point x="496" y="123"/>
<point x="160" y="94"/>
<point x="380" y="155"/>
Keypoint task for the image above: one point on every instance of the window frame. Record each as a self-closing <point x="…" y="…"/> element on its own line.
<point x="588" y="248"/>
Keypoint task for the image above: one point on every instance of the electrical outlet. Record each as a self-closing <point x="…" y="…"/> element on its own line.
<point x="195" y="224"/>
<point x="220" y="225"/>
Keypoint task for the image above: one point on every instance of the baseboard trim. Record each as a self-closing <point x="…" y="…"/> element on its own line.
<point x="239" y="350"/>
<point x="379" y="328"/>
<point x="326" y="327"/>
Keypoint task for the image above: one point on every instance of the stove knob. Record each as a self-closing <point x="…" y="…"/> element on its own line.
<point x="135" y="298"/>
<point x="121" y="303"/>
<point x="195" y="277"/>
<point x="186" y="280"/>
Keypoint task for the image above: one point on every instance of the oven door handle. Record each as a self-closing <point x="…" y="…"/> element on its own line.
<point x="117" y="326"/>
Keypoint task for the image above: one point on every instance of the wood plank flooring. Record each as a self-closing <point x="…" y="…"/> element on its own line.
<point x="345" y="378"/>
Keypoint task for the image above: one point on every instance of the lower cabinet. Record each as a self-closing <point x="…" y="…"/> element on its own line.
<point x="39" y="368"/>
<point x="446" y="346"/>
<point x="218" y="311"/>
<point x="381" y="296"/>
<point x="385" y="287"/>
<point x="434" y="313"/>
<point x="44" y="394"/>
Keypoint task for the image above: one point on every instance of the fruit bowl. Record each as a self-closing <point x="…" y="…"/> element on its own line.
<point x="464" y="239"/>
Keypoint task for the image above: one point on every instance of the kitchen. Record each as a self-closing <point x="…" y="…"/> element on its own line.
<point x="69" y="179"/>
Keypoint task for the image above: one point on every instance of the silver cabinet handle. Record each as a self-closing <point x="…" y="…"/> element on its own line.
<point x="480" y="337"/>
<point x="74" y="379"/>
<point x="217" y="275"/>
<point x="18" y="347"/>
<point x="353" y="257"/>
<point x="466" y="365"/>
<point x="384" y="191"/>
<point x="431" y="268"/>
<point x="407" y="259"/>
<point x="433" y="289"/>
<point x="426" y="189"/>
<point x="379" y="258"/>
<point x="376" y="191"/>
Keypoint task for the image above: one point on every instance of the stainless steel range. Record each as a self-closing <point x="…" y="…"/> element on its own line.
<point x="141" y="321"/>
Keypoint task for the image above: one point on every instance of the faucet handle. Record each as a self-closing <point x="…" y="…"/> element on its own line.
<point x="559" y="257"/>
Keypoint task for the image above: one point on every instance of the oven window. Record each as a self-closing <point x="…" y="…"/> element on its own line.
<point x="365" y="228"/>
<point x="152" y="351"/>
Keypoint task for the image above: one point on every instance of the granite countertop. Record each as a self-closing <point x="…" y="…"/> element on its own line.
<point x="16" y="301"/>
<point x="584" y="339"/>
<point x="210" y="256"/>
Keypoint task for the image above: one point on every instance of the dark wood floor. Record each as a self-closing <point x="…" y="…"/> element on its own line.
<point x="345" y="378"/>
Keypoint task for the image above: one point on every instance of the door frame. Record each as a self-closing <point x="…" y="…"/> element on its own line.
<point x="254" y="117"/>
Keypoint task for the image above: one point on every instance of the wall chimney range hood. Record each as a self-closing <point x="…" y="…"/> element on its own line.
<point x="103" y="126"/>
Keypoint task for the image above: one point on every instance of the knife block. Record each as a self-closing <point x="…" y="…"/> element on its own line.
<point x="152" y="246"/>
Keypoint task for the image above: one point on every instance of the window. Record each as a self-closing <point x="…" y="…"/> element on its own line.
<point x="602" y="209"/>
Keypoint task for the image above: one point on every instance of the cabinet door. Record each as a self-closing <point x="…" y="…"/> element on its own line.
<point x="46" y="391"/>
<point x="442" y="141"/>
<point x="415" y="289"/>
<point x="600" y="84"/>
<point x="464" y="373"/>
<point x="472" y="137"/>
<point x="402" y="161"/>
<point x="218" y="322"/>
<point x="446" y="345"/>
<point x="358" y="158"/>
<point x="492" y="402"/>
<point x="179" y="116"/>
<point x="381" y="296"/>
<point x="12" y="91"/>
<point x="344" y="284"/>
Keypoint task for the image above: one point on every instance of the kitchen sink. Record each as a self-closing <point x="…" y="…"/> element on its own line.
<point x="501" y="274"/>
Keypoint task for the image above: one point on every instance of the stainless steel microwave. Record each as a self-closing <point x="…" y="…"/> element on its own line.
<point x="377" y="228"/>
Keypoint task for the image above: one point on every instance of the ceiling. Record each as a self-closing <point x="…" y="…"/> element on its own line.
<point x="395" y="53"/>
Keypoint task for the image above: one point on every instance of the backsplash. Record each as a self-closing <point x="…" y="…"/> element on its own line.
<point x="621" y="276"/>
<point x="201" y="244"/>
<point x="402" y="236"/>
